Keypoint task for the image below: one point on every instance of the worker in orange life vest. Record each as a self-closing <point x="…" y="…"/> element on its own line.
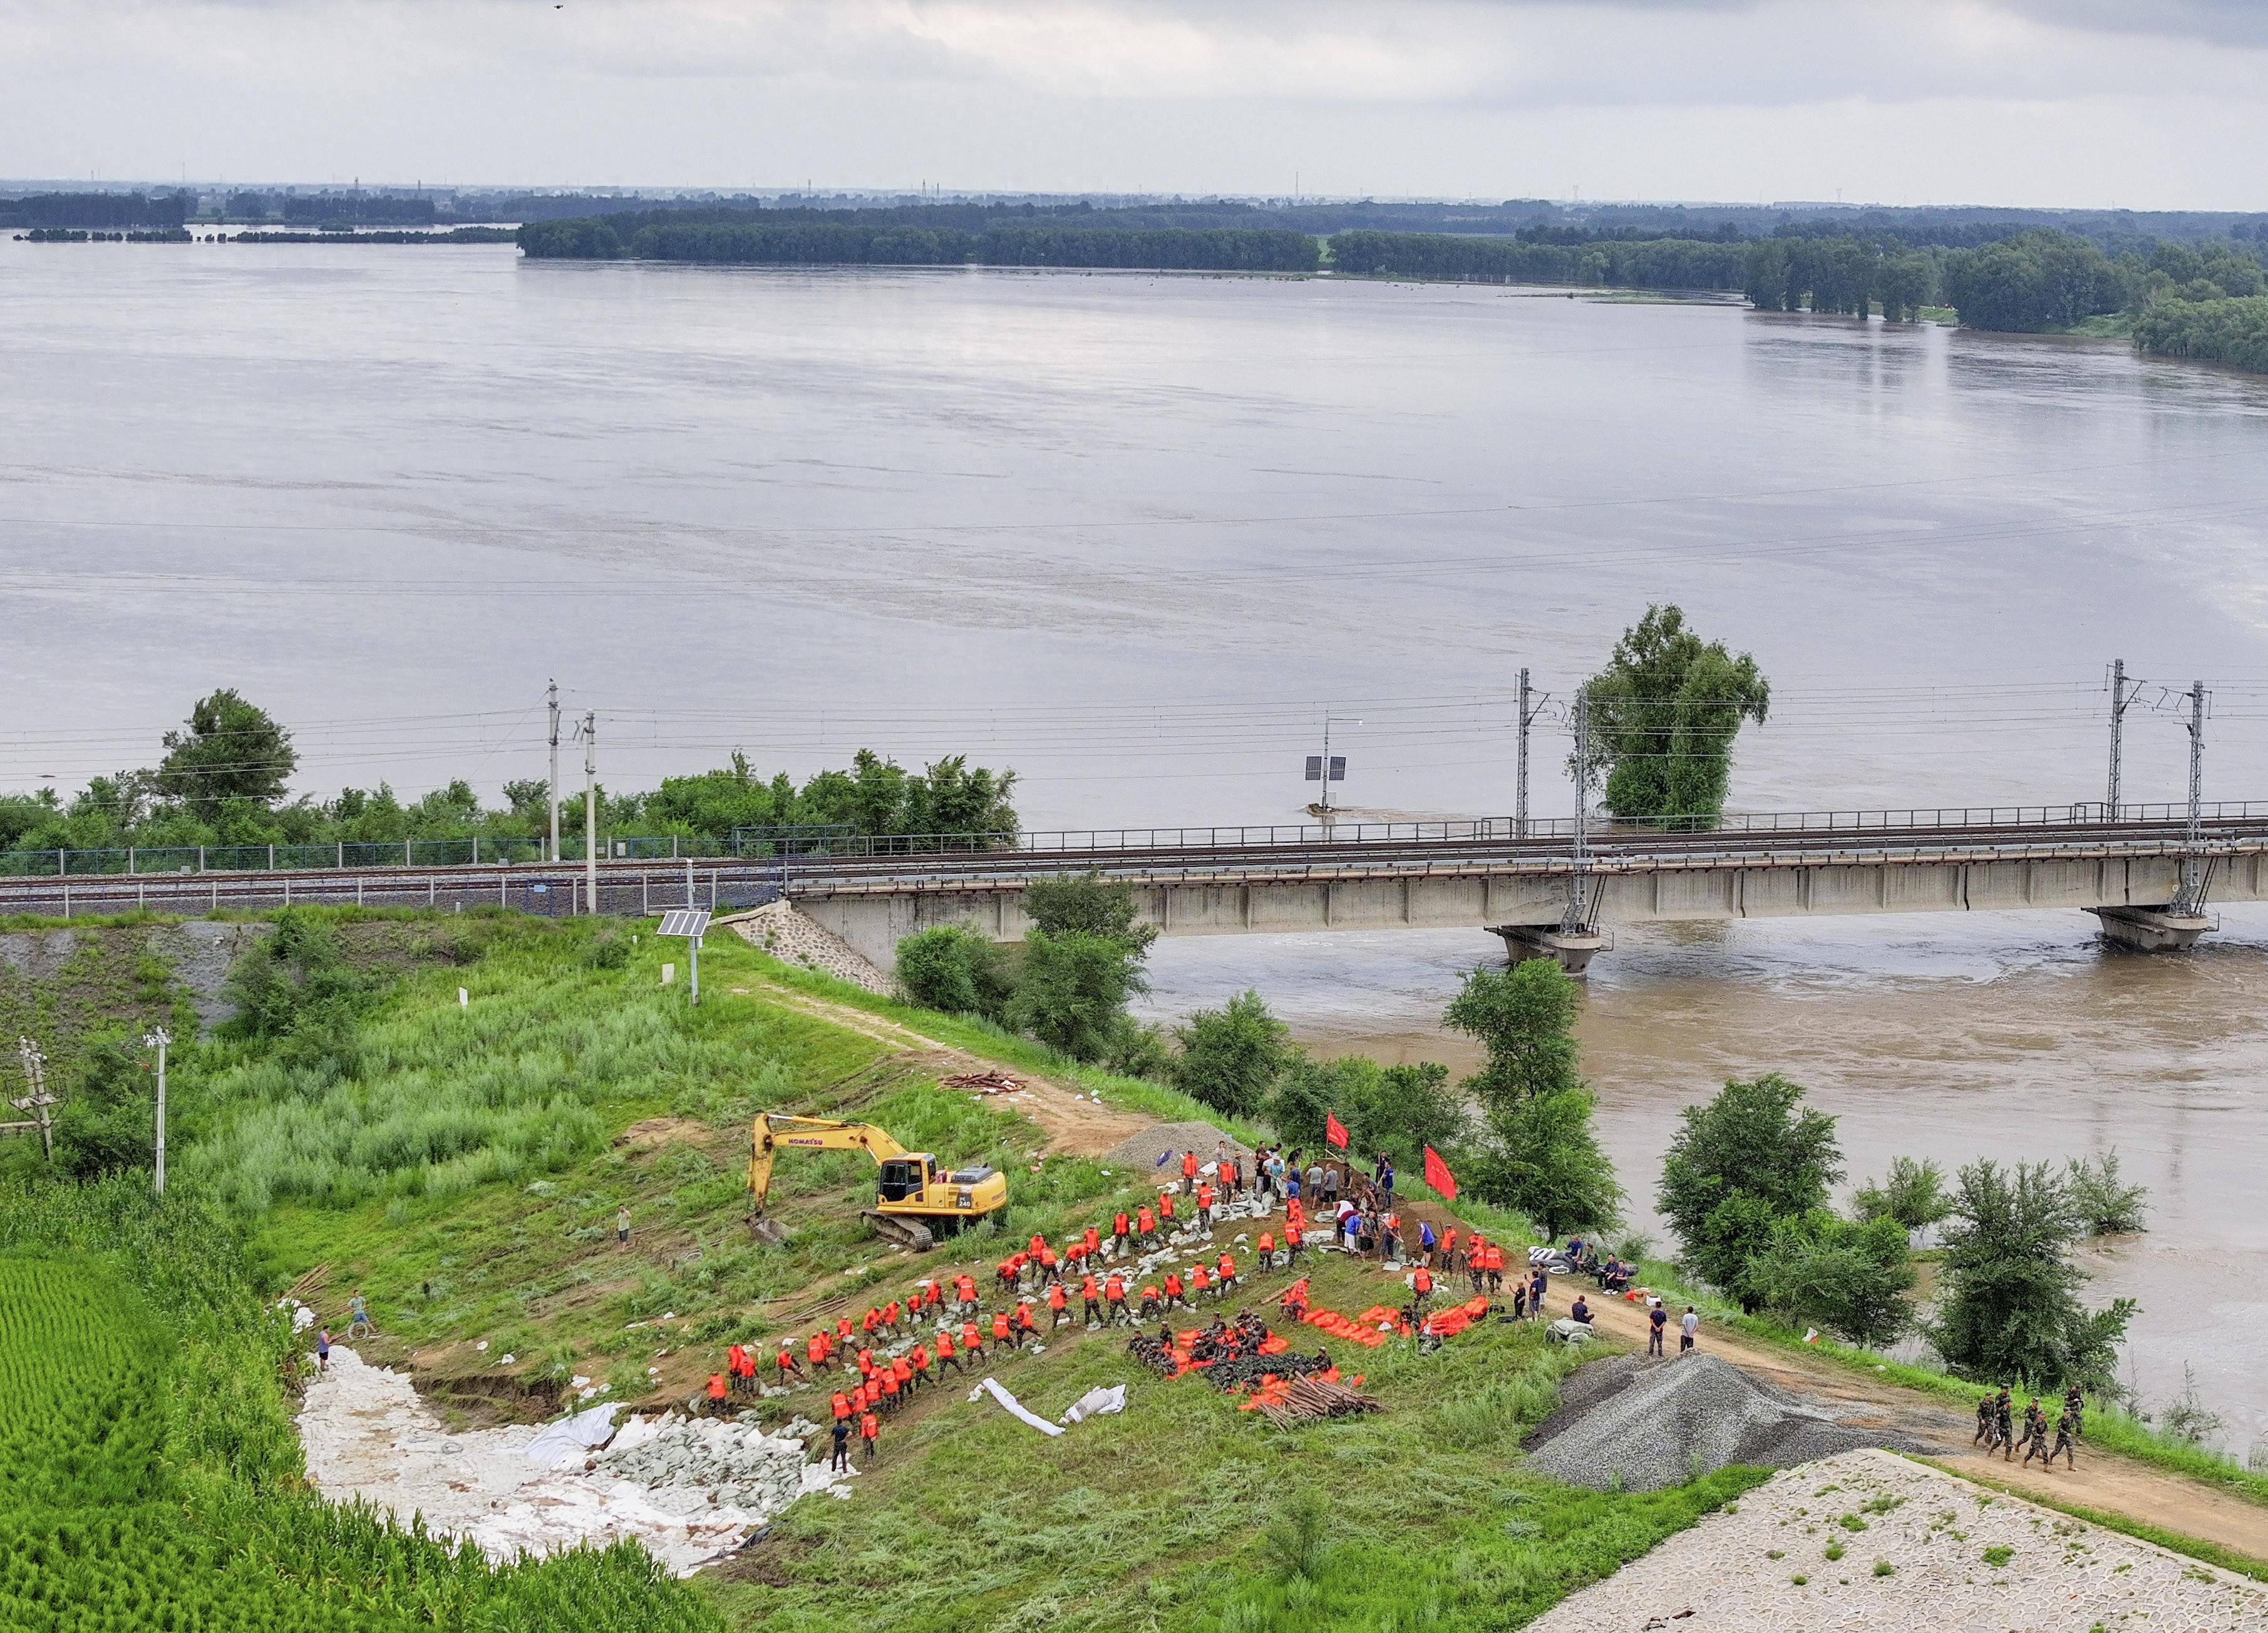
<point x="1002" y="1332"/>
<point x="814" y="1350"/>
<point x="716" y="1394"/>
<point x="1421" y="1284"/>
<point x="944" y="1354"/>
<point x="1205" y="1206"/>
<point x="1026" y="1326"/>
<point x="1152" y="1304"/>
<point x="964" y="1290"/>
<point x="972" y="1340"/>
<point x="1199" y="1282"/>
<point x="1093" y="1295"/>
<point x="1226" y="1270"/>
<point x="1189" y="1173"/>
<point x="1267" y="1249"/>
<point x="870" y="1431"/>
<point x="1114" y="1294"/>
<point x="1057" y="1312"/>
<point x="1145" y="1225"/>
<point x="1174" y="1291"/>
<point x="1121" y="1229"/>
<point x="1295" y="1301"/>
<point x="1091" y="1240"/>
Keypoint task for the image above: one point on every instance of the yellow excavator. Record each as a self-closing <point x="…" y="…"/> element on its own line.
<point x="916" y="1202"/>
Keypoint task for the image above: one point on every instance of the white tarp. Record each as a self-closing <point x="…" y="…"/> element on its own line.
<point x="991" y="1386"/>
<point x="557" y="1445"/>
<point x="1095" y="1403"/>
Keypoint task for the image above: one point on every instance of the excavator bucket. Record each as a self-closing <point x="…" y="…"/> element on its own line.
<point x="904" y="1232"/>
<point x="768" y="1233"/>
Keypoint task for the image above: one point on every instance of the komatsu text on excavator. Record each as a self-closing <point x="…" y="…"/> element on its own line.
<point x="916" y="1202"/>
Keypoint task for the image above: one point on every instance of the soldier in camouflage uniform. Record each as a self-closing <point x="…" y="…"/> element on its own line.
<point x="2004" y="1427"/>
<point x="2067" y="1434"/>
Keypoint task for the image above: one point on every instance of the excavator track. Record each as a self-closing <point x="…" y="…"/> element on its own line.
<point x="904" y="1232"/>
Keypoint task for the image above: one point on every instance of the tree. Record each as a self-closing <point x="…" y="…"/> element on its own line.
<point x="1737" y="1167"/>
<point x="2010" y="1310"/>
<point x="1086" y="904"/>
<point x="1397" y="1109"/>
<point x="955" y="970"/>
<point x="1851" y="1278"/>
<point x="1524" y="1018"/>
<point x="1914" y="1196"/>
<point x="1230" y="1056"/>
<point x="1073" y="989"/>
<point x="232" y="750"/>
<point x="1538" y="1151"/>
<point x="1664" y="715"/>
<point x="1542" y="1156"/>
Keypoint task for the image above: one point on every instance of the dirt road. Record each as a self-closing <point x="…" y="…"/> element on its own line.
<point x="2101" y="1481"/>
<point x="1072" y="1122"/>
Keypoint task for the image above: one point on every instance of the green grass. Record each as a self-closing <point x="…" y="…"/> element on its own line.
<point x="2107" y="326"/>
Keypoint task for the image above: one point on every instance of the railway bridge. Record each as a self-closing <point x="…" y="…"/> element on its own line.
<point x="1555" y="888"/>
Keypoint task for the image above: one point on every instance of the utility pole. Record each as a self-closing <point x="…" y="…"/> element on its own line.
<point x="39" y="1102"/>
<point x="2191" y="899"/>
<point x="2118" y="701"/>
<point x="1576" y="919"/>
<point x="590" y="810"/>
<point x="158" y="1039"/>
<point x="555" y="773"/>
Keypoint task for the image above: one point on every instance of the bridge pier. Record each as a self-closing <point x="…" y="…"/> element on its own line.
<point x="2151" y="930"/>
<point x="1572" y="949"/>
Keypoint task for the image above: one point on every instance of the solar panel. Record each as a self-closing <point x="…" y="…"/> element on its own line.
<point x="693" y="922"/>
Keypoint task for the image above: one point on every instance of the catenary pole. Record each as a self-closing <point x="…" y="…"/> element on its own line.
<point x="2192" y="896"/>
<point x="590" y="810"/>
<point x="1520" y="774"/>
<point x="2118" y="733"/>
<point x="1573" y="921"/>
<point x="555" y="773"/>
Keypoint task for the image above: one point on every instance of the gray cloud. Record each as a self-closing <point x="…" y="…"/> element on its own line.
<point x="2021" y="100"/>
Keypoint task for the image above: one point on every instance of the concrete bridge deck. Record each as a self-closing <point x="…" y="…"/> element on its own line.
<point x="1356" y="877"/>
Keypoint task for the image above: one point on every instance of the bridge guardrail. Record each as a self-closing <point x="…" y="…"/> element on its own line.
<point x="795" y="849"/>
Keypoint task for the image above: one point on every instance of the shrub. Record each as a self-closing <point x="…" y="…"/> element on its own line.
<point x="1230" y="1056"/>
<point x="955" y="970"/>
<point x="1914" y="1196"/>
<point x="2101" y="1203"/>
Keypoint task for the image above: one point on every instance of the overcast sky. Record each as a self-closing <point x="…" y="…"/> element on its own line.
<point x="2144" y="103"/>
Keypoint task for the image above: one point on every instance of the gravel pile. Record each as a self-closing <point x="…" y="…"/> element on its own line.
<point x="778" y="929"/>
<point x="1171" y="1140"/>
<point x="1917" y="1551"/>
<point x="1655" y="1424"/>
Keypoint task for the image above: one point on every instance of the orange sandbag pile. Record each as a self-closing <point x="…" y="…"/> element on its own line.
<point x="1338" y="1327"/>
<point x="1449" y="1322"/>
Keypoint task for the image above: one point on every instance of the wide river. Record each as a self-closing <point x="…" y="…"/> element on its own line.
<point x="1134" y="535"/>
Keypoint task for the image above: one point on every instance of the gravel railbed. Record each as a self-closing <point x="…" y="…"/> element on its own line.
<point x="1953" y="1557"/>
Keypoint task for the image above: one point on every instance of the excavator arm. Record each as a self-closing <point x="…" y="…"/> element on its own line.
<point x="775" y="1128"/>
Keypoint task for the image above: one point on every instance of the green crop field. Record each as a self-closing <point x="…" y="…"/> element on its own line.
<point x="148" y="1474"/>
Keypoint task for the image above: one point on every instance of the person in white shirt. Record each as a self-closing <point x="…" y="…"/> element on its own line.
<point x="1687" y="1328"/>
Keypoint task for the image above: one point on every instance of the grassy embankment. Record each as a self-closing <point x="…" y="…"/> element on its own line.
<point x="479" y="1149"/>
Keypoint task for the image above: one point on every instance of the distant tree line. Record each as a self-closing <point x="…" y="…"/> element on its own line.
<point x="860" y="244"/>
<point x="1653" y="263"/>
<point x="104" y="211"/>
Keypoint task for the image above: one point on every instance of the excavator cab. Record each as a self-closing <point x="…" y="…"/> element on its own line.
<point x="905" y="1179"/>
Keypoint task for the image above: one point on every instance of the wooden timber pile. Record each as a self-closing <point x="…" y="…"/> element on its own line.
<point x="1305" y="1400"/>
<point x="987" y="1082"/>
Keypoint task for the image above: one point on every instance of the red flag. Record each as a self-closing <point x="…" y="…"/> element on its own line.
<point x="1437" y="1175"/>
<point x="1334" y="1131"/>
